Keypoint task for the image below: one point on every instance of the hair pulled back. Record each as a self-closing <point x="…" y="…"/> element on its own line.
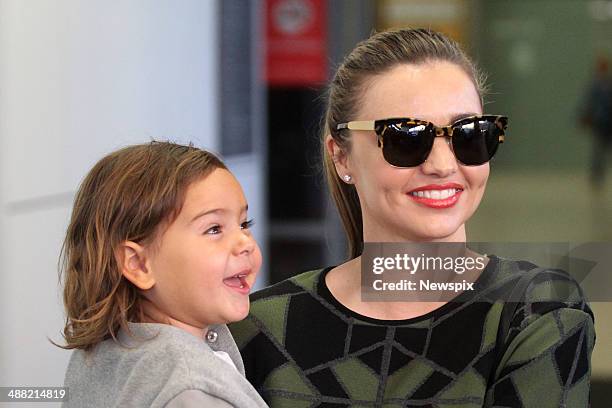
<point x="371" y="57"/>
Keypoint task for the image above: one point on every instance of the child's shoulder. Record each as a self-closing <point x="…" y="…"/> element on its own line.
<point x="153" y="339"/>
<point x="151" y="362"/>
<point x="150" y="349"/>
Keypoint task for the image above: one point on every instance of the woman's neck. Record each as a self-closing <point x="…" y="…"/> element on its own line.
<point x="344" y="283"/>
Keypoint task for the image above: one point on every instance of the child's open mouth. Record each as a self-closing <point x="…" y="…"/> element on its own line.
<point x="238" y="282"/>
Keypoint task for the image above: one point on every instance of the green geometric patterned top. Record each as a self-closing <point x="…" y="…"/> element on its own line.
<point x="302" y="348"/>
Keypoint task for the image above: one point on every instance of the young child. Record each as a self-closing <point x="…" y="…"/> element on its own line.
<point x="158" y="256"/>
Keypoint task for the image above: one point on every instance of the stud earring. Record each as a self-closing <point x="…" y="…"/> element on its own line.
<point x="347" y="178"/>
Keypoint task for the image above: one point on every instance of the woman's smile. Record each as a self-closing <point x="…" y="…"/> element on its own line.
<point x="437" y="195"/>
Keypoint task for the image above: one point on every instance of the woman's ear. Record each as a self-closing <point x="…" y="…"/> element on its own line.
<point x="132" y="262"/>
<point x="339" y="157"/>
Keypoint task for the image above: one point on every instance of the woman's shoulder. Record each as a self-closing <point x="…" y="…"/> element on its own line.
<point x="537" y="295"/>
<point x="524" y="281"/>
<point x="550" y="328"/>
<point x="270" y="305"/>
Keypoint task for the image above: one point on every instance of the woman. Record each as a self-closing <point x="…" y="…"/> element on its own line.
<point x="312" y="341"/>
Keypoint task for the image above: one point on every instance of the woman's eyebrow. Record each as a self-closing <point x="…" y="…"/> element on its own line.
<point x="460" y="116"/>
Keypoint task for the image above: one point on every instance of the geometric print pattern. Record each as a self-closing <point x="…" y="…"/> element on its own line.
<point x="302" y="348"/>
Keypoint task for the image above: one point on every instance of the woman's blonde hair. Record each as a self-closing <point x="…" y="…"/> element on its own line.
<point x="371" y="57"/>
<point x="129" y="195"/>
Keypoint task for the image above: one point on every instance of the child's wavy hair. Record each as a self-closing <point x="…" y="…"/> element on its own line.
<point x="129" y="195"/>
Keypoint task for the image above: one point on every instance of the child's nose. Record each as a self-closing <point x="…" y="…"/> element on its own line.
<point x="245" y="244"/>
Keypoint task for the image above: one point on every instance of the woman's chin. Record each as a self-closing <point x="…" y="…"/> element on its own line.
<point x="435" y="231"/>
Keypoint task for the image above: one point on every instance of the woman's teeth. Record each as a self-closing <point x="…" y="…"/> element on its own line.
<point x="435" y="194"/>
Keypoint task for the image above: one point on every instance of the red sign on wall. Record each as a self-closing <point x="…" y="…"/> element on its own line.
<point x="296" y="47"/>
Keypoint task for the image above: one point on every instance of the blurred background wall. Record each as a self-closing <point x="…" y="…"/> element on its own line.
<point x="245" y="78"/>
<point x="79" y="79"/>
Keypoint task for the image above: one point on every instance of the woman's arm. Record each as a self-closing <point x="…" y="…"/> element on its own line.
<point x="547" y="362"/>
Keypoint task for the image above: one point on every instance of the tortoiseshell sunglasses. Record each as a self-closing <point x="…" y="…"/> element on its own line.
<point x="407" y="142"/>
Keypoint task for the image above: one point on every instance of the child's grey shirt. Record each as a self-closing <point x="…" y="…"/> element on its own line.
<point x="171" y="369"/>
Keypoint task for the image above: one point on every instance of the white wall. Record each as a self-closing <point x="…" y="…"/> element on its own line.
<point x="78" y="79"/>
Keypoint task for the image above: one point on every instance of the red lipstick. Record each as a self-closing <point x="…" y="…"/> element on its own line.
<point x="437" y="196"/>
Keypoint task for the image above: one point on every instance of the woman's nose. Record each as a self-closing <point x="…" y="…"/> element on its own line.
<point x="441" y="161"/>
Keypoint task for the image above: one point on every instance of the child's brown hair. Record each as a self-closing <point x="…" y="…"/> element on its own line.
<point x="129" y="195"/>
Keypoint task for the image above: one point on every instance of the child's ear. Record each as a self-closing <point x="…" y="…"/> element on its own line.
<point x="132" y="262"/>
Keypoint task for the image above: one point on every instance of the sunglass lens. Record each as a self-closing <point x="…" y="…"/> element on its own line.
<point x="475" y="142"/>
<point x="407" y="144"/>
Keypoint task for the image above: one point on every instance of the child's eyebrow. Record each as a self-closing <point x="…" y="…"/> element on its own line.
<point x="217" y="211"/>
